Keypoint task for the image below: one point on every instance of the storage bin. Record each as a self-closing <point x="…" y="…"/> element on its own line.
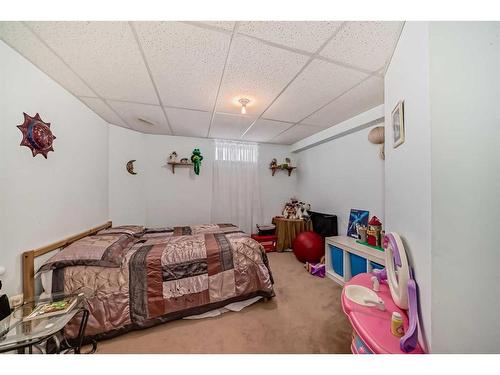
<point x="337" y="256"/>
<point x="358" y="264"/>
<point x="267" y="242"/>
<point x="376" y="266"/>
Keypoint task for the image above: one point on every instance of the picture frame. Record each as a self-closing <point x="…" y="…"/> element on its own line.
<point x="357" y="217"/>
<point x="398" y="127"/>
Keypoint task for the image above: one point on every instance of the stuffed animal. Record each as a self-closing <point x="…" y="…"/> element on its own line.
<point x="302" y="209"/>
<point x="173" y="157"/>
<point x="294" y="209"/>
<point x="305" y="208"/>
<point x="196" y="158"/>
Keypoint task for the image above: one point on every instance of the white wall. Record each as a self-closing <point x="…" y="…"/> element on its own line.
<point x="45" y="200"/>
<point x="156" y="197"/>
<point x="126" y="191"/>
<point x="407" y="168"/>
<point x="181" y="198"/>
<point x="465" y="123"/>
<point x="341" y="174"/>
<point x="275" y="190"/>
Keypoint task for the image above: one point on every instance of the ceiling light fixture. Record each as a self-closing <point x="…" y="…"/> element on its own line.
<point x="244" y="102"/>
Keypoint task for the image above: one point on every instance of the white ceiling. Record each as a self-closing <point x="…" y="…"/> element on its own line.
<point x="186" y="77"/>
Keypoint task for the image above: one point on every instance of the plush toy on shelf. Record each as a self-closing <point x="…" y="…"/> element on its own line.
<point x="196" y="158"/>
<point x="173" y="157"/>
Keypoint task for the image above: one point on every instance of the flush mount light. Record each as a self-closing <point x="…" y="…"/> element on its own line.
<point x="244" y="102"/>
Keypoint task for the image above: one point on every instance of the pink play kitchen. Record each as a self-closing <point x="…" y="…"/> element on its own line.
<point x="379" y="295"/>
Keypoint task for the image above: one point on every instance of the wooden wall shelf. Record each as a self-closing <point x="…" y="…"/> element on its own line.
<point x="178" y="164"/>
<point x="289" y="169"/>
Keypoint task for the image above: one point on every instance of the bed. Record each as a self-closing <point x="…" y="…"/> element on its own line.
<point x="136" y="277"/>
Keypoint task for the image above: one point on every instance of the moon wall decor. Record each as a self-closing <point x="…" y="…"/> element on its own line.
<point x="130" y="167"/>
<point x="37" y="135"/>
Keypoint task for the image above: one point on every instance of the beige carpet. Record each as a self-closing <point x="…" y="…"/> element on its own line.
<point x="304" y="317"/>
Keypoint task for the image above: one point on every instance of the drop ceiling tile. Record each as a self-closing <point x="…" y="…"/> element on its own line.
<point x="304" y="35"/>
<point x="186" y="61"/>
<point x="319" y="83"/>
<point x="27" y="44"/>
<point x="258" y="72"/>
<point x="295" y="134"/>
<point x="367" y="95"/>
<point x="188" y="123"/>
<point x="104" y="54"/>
<point x="368" y="45"/>
<point x="229" y="126"/>
<point x="265" y="130"/>
<point x="132" y="113"/>
<point x="226" y="25"/>
<point x="102" y="109"/>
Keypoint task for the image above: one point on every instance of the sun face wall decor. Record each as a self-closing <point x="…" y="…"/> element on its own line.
<point x="37" y="135"/>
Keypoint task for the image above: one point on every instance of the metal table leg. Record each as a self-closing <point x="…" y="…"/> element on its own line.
<point x="76" y="348"/>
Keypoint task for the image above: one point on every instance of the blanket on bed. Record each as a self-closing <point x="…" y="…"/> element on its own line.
<point x="168" y="274"/>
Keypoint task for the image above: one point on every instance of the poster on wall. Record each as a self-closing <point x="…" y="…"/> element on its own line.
<point x="357" y="217"/>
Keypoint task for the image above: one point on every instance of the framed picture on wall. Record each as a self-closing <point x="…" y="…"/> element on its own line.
<point x="398" y="126"/>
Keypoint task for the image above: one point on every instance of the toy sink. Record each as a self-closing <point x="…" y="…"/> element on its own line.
<point x="360" y="295"/>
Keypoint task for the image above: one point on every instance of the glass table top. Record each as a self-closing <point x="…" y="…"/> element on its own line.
<point x="14" y="330"/>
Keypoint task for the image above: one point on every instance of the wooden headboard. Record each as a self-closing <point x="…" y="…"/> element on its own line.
<point x="30" y="255"/>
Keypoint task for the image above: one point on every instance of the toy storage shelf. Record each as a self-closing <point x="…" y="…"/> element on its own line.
<point x="345" y="258"/>
<point x="178" y="164"/>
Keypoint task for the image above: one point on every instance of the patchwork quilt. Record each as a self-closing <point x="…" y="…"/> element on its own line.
<point x="166" y="274"/>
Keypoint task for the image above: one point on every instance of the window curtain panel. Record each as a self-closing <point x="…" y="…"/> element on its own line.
<point x="236" y="190"/>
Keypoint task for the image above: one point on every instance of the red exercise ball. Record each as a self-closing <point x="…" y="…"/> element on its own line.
<point x="309" y="247"/>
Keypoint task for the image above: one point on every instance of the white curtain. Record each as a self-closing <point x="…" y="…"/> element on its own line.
<point x="236" y="193"/>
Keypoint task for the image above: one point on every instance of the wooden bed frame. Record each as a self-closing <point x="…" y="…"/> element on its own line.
<point x="30" y="255"/>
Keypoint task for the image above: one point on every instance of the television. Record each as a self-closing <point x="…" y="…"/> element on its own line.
<point x="324" y="224"/>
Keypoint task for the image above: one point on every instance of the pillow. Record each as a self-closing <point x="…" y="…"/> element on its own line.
<point x="104" y="250"/>
<point x="132" y="230"/>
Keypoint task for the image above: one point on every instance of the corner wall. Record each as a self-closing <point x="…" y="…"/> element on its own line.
<point x="44" y="200"/>
<point x="157" y="197"/>
<point x="341" y="174"/>
<point x="465" y="123"/>
<point x="407" y="167"/>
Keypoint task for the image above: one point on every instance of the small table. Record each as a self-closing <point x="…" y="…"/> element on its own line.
<point x="16" y="334"/>
<point x="288" y="229"/>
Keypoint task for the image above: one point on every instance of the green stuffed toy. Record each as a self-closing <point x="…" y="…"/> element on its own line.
<point x="196" y="158"/>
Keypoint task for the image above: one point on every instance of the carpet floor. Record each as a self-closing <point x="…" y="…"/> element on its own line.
<point x="304" y="317"/>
